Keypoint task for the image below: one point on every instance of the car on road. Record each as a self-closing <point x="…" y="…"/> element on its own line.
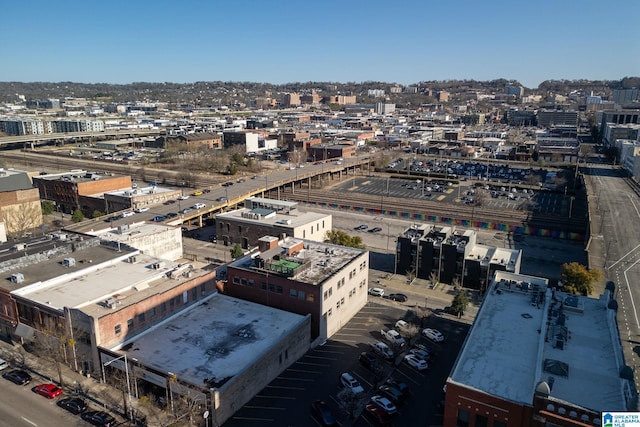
<point x="159" y="218"/>
<point x="198" y="193"/>
<point x="75" y="405"/>
<point x="369" y="361"/>
<point x="227" y="184"/>
<point x="376" y="292"/>
<point x="3" y="364"/>
<point x="99" y="418"/>
<point x="377" y="414"/>
<point x="347" y="381"/>
<point x="416" y="362"/>
<point x="183" y="197"/>
<point x="17" y="376"/>
<point x="384" y="403"/>
<point x="142" y="209"/>
<point x="127" y="214"/>
<point x="171" y="215"/>
<point x="323" y="413"/>
<point x="398" y="297"/>
<point x="169" y="202"/>
<point x="375" y="230"/>
<point x="48" y="390"/>
<point x="433" y="334"/>
<point x="361" y="227"/>
<point x="199" y="205"/>
<point x="221" y="199"/>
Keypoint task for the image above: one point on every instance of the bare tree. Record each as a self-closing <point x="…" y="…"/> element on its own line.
<point x="22" y="218"/>
<point x="53" y="344"/>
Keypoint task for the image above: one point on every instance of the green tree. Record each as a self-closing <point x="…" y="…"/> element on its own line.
<point x="578" y="279"/>
<point x="96" y="214"/>
<point x="460" y="303"/>
<point x="341" y="238"/>
<point x="232" y="169"/>
<point x="77" y="216"/>
<point x="236" y="251"/>
<point x="47" y="207"/>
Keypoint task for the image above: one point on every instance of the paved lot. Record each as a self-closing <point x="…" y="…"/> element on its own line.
<point x="287" y="400"/>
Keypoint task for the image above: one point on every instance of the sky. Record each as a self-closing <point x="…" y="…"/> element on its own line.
<point x="285" y="41"/>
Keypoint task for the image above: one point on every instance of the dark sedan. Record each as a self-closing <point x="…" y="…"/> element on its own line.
<point x="17" y="377"/>
<point x="75" y="405"/>
<point x="323" y="413"/>
<point x="398" y="297"/>
<point x="99" y="418"/>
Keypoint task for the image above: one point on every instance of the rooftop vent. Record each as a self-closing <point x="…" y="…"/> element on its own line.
<point x="17" y="278"/>
<point x="111" y="302"/>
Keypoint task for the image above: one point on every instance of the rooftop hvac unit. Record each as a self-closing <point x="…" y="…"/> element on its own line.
<point x="111" y="302"/>
<point x="19" y="247"/>
<point x="17" y="278"/>
<point x="69" y="262"/>
<point x="132" y="259"/>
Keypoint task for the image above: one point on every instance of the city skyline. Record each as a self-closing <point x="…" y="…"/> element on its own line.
<point x="287" y="42"/>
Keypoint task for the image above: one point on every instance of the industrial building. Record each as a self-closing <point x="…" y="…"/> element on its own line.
<point x="538" y="357"/>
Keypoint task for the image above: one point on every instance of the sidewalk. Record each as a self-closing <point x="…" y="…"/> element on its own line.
<point x="99" y="395"/>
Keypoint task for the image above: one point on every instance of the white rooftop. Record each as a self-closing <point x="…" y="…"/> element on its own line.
<point x="213" y="340"/>
<point x="291" y="220"/>
<point x="505" y="352"/>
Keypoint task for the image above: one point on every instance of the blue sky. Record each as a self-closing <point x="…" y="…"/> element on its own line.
<point x="124" y="41"/>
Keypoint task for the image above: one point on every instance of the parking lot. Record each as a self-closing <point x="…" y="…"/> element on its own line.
<point x="287" y="400"/>
<point x="495" y="196"/>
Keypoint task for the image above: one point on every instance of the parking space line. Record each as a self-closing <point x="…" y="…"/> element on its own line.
<point x="254" y="419"/>
<point x="305" y="371"/>
<point x="264" y="407"/>
<point x="285" y="388"/>
<point x="319" y="357"/>
<point x="295" y="379"/>
<point x="312" y="364"/>
<point x="261" y="396"/>
<point x="410" y="378"/>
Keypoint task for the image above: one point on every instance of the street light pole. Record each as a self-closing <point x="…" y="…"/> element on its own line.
<point x="126" y="373"/>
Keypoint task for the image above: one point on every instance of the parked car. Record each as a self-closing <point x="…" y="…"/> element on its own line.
<point x="323" y="413"/>
<point x="17" y="376"/>
<point x="75" y="405"/>
<point x="3" y="364"/>
<point x="420" y="354"/>
<point x="398" y="297"/>
<point x="391" y="393"/>
<point x="376" y="292"/>
<point x="369" y="361"/>
<point x="417" y="363"/>
<point x="99" y="418"/>
<point x="375" y="230"/>
<point x="393" y="337"/>
<point x="347" y="381"/>
<point x="377" y="414"/>
<point x="402" y="326"/>
<point x="433" y="334"/>
<point x="48" y="390"/>
<point x="385" y="404"/>
<point x="382" y="350"/>
<point x="399" y="385"/>
<point x="361" y="227"/>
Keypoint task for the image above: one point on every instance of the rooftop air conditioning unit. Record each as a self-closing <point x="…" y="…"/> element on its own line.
<point x="111" y="302"/>
<point x="17" y="278"/>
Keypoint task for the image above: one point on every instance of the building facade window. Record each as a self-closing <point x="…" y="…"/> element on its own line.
<point x="117" y="329"/>
<point x="481" y="421"/>
<point x="130" y="323"/>
<point x="141" y="317"/>
<point x="463" y="418"/>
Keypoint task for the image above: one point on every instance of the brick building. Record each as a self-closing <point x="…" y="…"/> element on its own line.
<point x="305" y="277"/>
<point x="20" y="210"/>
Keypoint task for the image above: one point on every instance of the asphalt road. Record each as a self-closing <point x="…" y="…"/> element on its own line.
<point x="618" y="232"/>
<point x="21" y="407"/>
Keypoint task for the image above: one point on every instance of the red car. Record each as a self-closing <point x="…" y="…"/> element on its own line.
<point x="48" y="390"/>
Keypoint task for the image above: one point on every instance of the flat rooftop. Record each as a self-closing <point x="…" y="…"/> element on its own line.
<point x="140" y="191"/>
<point x="260" y="216"/>
<point x="127" y="232"/>
<point x="312" y="263"/>
<point x="213" y="340"/>
<point x="510" y="348"/>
